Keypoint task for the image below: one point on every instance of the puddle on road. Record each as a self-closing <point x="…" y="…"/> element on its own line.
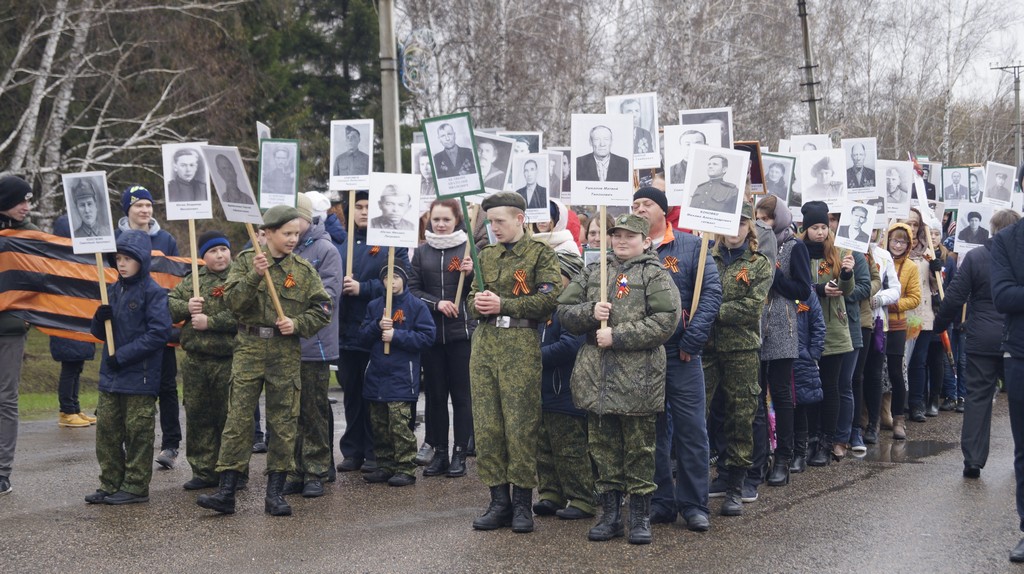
<point x="904" y="451"/>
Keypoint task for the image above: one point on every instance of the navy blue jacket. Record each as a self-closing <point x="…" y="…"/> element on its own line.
<point x="984" y="326"/>
<point x="141" y="324"/>
<point x="1008" y="285"/>
<point x="366" y="266"/>
<point x="692" y="332"/>
<point x="337" y="232"/>
<point x="395" y="377"/>
<point x="558" y="350"/>
<point x="811" y="329"/>
<point x="62" y="349"/>
<point x="159" y="239"/>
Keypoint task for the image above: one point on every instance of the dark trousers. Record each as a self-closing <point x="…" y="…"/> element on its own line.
<point x="686" y="435"/>
<point x="1014" y="369"/>
<point x="170" y="425"/>
<point x="983" y="372"/>
<point x="67" y="386"/>
<point x="822" y="417"/>
<point x="873" y="382"/>
<point x="446" y="371"/>
<point x="858" y="378"/>
<point x="917" y="371"/>
<point x="777" y="376"/>
<point x="357" y="440"/>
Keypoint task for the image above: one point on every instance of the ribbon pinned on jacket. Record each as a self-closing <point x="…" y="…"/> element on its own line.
<point x="520" y="288"/>
<point x="672" y="264"/>
<point x="623" y="286"/>
<point x="398" y="317"/>
<point x="454" y="264"/>
<point x="744" y="276"/>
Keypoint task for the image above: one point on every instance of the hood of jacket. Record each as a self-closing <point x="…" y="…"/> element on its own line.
<point x="154" y="227"/>
<point x="332" y="225"/>
<point x="136" y="245"/>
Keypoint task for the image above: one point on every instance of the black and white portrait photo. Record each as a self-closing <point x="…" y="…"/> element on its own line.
<point x="566" y="174"/>
<point x="643" y="109"/>
<point x="186" y="182"/>
<point x="976" y="185"/>
<point x="495" y="154"/>
<point x="861" y="154"/>
<point x="722" y="117"/>
<point x="524" y="142"/>
<point x="262" y="131"/>
<point x="279" y="172"/>
<point x="453" y="157"/>
<point x="554" y="174"/>
<point x="232" y="185"/>
<point x="420" y="165"/>
<point x="678" y="140"/>
<point x="755" y="169"/>
<point x="955" y="185"/>
<point x="897" y="179"/>
<point x="530" y="179"/>
<point x="855" y="223"/>
<point x="602" y="167"/>
<point x="1000" y="184"/>
<point x="88" y="202"/>
<point x="778" y="174"/>
<point x="715" y="180"/>
<point x="351" y="154"/>
<point x="394" y="218"/>
<point x="973" y="224"/>
<point x="809" y="142"/>
<point x="822" y="176"/>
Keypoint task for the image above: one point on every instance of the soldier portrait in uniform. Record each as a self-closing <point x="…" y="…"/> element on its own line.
<point x="714" y="190"/>
<point x="643" y="109"/>
<point x="495" y="155"/>
<point x="716" y="194"/>
<point x="351" y="155"/>
<point x="722" y="117"/>
<point x="279" y="178"/>
<point x="88" y="202"/>
<point x="896" y="179"/>
<point x="353" y="160"/>
<point x="822" y="176"/>
<point x="860" y="173"/>
<point x="451" y="142"/>
<point x="1000" y="183"/>
<point x="453" y="160"/>
<point x="188" y="180"/>
<point x="394" y="207"/>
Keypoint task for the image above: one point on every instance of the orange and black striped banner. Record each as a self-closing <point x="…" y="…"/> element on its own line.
<point x="45" y="284"/>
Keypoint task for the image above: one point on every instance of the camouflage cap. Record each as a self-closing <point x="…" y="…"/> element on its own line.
<point x="747" y="211"/>
<point x="630" y="222"/>
<point x="278" y="215"/>
<point x="504" y="199"/>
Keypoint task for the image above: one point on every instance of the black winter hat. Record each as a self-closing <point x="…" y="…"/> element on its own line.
<point x="815" y="212"/>
<point x="399" y="271"/>
<point x="654" y="194"/>
<point x="13" y="190"/>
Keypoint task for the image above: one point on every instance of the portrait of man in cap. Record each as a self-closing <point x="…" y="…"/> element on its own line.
<point x="352" y="161"/>
<point x="394" y="206"/>
<point x="86" y="214"/>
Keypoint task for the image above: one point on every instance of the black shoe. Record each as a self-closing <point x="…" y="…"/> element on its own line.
<point x="122" y="497"/>
<point x="972" y="471"/>
<point x="779" y="475"/>
<point x="471" y="446"/>
<point x="871" y="434"/>
<point x="332" y="473"/>
<point x="733" y="503"/>
<point x="932" y="410"/>
<point x="948" y="404"/>
<point x="198" y="484"/>
<point x="499" y="511"/>
<point x="424" y="455"/>
<point x="313" y="489"/>
<point x="1017" y="554"/>
<point x="369" y="465"/>
<point x="959" y="406"/>
<point x="167" y="458"/>
<point x="662" y="515"/>
<point x="457" y="467"/>
<point x="545" y="507"/>
<point x="698" y="523"/>
<point x="571" y="513"/>
<point x="610" y="524"/>
<point x="292" y="487"/>
<point x="439" y="465"/>
<point x="378" y="476"/>
<point x="97" y="497"/>
<point x="822" y="456"/>
<point x="5" y="485"/>
<point x="401" y="479"/>
<point x="640" y="519"/>
<point x="522" y="512"/>
<point x="274" y="504"/>
<point x="223" y="501"/>
<point x="259" y="447"/>
<point x="350" y="465"/>
<point x="798" y="465"/>
<point x="917" y="414"/>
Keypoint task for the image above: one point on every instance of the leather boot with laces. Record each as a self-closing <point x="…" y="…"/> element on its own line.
<point x="522" y="509"/>
<point x="610" y="524"/>
<point x="639" y="518"/>
<point x="223" y="501"/>
<point x="275" y="504"/>
<point x="499" y="511"/>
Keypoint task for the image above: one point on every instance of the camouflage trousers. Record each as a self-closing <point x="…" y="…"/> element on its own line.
<point x="124" y="442"/>
<point x="393" y="440"/>
<point x="206" y="381"/>
<point x="735" y="375"/>
<point x="623" y="450"/>
<point x="505" y="373"/>
<point x="258" y="363"/>
<point x="564" y="471"/>
<point x="313" y="438"/>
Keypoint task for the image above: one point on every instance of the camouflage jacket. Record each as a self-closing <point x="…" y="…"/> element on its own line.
<point x="302" y="294"/>
<point x="218" y="339"/>
<point x="628" y="378"/>
<point x="745" y="285"/>
<point x="526" y="277"/>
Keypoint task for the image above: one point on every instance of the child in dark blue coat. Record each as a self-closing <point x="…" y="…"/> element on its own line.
<point x="392" y="380"/>
<point x="806" y="377"/>
<point x="130" y="378"/>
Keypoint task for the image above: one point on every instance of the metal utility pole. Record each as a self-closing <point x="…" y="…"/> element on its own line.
<point x="1015" y="70"/>
<point x="389" y="87"/>
<point x="808" y="68"/>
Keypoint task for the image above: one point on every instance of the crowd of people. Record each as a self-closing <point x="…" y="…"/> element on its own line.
<point x="782" y="352"/>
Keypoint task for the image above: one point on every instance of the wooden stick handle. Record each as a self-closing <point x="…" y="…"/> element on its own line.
<point x="700" y="272"/>
<point x="195" y="258"/>
<point x="270" y="283"/>
<point x="604" y="257"/>
<point x="351" y="239"/>
<point x="388" y="294"/>
<point x="107" y="327"/>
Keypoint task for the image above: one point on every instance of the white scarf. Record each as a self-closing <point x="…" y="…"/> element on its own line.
<point x="445" y="241"/>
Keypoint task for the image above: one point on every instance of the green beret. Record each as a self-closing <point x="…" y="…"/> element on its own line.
<point x="632" y="223"/>
<point x="278" y="215"/>
<point x="505" y="199"/>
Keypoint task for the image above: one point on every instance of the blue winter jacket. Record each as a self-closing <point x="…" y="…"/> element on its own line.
<point x="558" y="350"/>
<point x="62" y="349"/>
<point x="366" y="265"/>
<point x="315" y="247"/>
<point x="811" y="328"/>
<point x="159" y="239"/>
<point x="1008" y="285"/>
<point x="141" y="324"/>
<point x="395" y="377"/>
<point x="692" y="332"/>
<point x="337" y="233"/>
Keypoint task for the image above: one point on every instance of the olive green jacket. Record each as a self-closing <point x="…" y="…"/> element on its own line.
<point x="218" y="339"/>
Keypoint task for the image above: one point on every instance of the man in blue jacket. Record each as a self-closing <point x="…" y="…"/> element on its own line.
<point x="684" y="381"/>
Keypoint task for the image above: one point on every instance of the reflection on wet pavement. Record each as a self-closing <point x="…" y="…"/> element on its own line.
<point x="904" y="450"/>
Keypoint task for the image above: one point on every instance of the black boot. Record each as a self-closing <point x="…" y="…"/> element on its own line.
<point x="275" y="504"/>
<point x="223" y="501"/>
<point x="610" y="524"/>
<point x="457" y="467"/>
<point x="799" y="462"/>
<point x="522" y="509"/>
<point x="733" y="503"/>
<point x="639" y="519"/>
<point x="933" y="407"/>
<point x="439" y="464"/>
<point x="499" y="511"/>
<point x="779" y="475"/>
<point x="823" y="455"/>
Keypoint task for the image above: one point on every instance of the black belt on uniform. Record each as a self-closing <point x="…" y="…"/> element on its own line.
<point x="506" y="322"/>
<point x="261" y="332"/>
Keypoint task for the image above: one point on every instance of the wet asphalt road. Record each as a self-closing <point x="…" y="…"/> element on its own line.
<point x="903" y="508"/>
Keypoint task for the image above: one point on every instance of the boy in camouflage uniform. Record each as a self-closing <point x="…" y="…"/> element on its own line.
<point x="267" y="353"/>
<point x="521" y="285"/>
<point x="619" y="378"/>
<point x="208" y="338"/>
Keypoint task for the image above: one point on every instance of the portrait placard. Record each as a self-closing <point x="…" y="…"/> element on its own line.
<point x="351" y="154"/>
<point x="452" y="147"/>
<point x="566" y="186"/>
<point x="809" y="142"/>
<point x="1000" y="184"/>
<point x="955" y="185"/>
<point x="262" y="131"/>
<point x="530" y="180"/>
<point x="186" y="182"/>
<point x="495" y="154"/>
<point x="976" y="184"/>
<point x="756" y="170"/>
<point x="393" y="217"/>
<point x="522" y="142"/>
<point x="822" y="176"/>
<point x="643" y="108"/>
<point x="279" y="172"/>
<point x="922" y="203"/>
<point x="881" y="219"/>
<point x="420" y="165"/>
<point x="855" y="223"/>
<point x="719" y="116"/>
<point x="897" y="177"/>
<point x="232" y="184"/>
<point x="715" y="179"/>
<point x="602" y="151"/>
<point x="778" y="172"/>
<point x="861" y="155"/>
<point x="88" y="201"/>
<point x="973" y="225"/>
<point x="784" y="146"/>
<point x="554" y="174"/>
<point x="678" y="140"/>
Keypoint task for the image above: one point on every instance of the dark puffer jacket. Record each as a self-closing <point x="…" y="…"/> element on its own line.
<point x="431" y="280"/>
<point x="558" y="351"/>
<point x="141" y="324"/>
<point x="811" y="328"/>
<point x="395" y="377"/>
<point x="692" y="332"/>
<point x="367" y="261"/>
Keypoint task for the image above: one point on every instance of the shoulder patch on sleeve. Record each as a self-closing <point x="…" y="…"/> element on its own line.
<point x="545" y="288"/>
